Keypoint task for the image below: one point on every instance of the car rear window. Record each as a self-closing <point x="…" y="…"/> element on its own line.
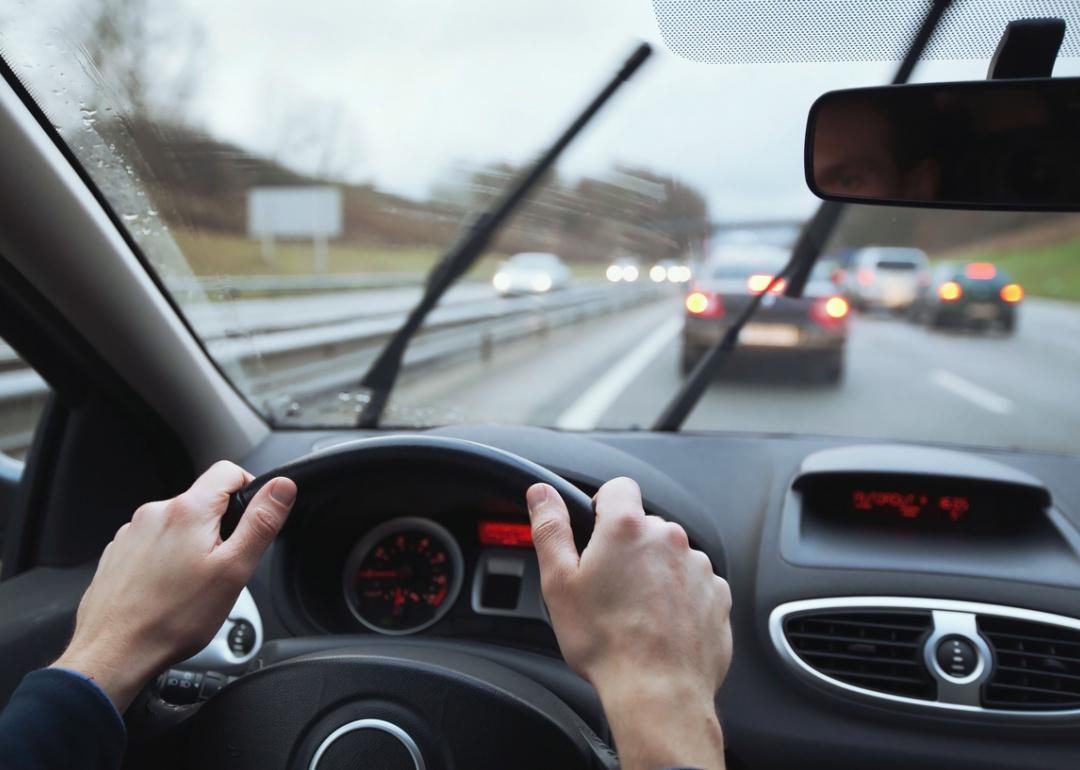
<point x="744" y="270"/>
<point x="893" y="264"/>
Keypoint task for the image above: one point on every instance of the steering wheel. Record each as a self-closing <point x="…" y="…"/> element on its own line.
<point x="397" y="707"/>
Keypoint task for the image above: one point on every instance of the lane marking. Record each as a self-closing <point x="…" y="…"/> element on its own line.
<point x="586" y="412"/>
<point x="976" y="394"/>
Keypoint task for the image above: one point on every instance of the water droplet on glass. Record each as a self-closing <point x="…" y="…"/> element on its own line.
<point x="130" y="217"/>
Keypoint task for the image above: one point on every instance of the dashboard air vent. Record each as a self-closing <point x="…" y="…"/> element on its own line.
<point x="1037" y="665"/>
<point x="871" y="649"/>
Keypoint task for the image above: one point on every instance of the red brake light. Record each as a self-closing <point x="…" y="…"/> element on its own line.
<point x="980" y="271"/>
<point x="757" y="283"/>
<point x="704" y="304"/>
<point x="836" y="307"/>
<point x="950" y="291"/>
<point x="1012" y="292"/>
<point x="830" y="312"/>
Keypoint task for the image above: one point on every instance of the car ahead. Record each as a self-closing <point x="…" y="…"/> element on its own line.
<point x="533" y="272"/>
<point x="810" y="330"/>
<point x="969" y="295"/>
<point x="887" y="278"/>
<point x="623" y="270"/>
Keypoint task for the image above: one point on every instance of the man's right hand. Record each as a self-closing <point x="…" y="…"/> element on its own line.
<point x="642" y="616"/>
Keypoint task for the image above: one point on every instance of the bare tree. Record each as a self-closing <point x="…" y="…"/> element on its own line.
<point x="143" y="58"/>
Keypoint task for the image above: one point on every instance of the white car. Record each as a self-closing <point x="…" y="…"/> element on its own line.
<point x="533" y="272"/>
<point x="887" y="277"/>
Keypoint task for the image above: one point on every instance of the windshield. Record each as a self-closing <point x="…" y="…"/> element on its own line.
<point x="292" y="174"/>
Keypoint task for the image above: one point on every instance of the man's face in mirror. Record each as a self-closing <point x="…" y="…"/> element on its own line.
<point x="856" y="155"/>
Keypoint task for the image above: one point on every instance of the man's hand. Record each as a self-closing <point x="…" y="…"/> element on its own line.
<point x="643" y="617"/>
<point x="166" y="582"/>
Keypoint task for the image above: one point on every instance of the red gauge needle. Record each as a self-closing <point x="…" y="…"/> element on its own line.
<point x="379" y="573"/>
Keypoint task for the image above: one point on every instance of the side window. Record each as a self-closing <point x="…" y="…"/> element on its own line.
<point x="22" y="401"/>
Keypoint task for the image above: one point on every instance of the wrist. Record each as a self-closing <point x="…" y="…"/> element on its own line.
<point x="120" y="675"/>
<point x="660" y="721"/>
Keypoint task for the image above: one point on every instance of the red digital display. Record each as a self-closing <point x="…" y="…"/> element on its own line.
<point x="911" y="505"/>
<point x="505" y="533"/>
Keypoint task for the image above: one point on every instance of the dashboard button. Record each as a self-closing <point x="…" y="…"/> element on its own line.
<point x="956" y="656"/>
<point x="242" y="638"/>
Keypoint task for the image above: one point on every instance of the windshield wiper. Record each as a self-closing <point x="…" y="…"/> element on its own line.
<point x="811" y="242"/>
<point x="379" y="380"/>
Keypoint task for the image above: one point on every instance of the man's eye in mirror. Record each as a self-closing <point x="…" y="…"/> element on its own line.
<point x="849" y="181"/>
<point x="987" y="144"/>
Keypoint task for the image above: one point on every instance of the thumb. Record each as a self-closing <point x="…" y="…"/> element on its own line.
<point x="262" y="520"/>
<point x="552" y="536"/>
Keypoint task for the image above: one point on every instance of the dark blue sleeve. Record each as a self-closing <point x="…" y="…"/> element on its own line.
<point x="59" y="720"/>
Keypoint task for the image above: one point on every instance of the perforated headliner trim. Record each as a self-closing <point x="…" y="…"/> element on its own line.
<point x="761" y="31"/>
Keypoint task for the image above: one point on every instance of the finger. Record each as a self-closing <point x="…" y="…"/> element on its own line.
<point x="618" y="504"/>
<point x="552" y="536"/>
<point x="260" y="523"/>
<point x="210" y="492"/>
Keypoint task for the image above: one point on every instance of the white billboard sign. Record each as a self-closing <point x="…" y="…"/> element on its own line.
<point x="294" y="212"/>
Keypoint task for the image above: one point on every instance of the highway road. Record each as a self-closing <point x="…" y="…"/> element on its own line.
<point x="901" y="382"/>
<point x="617" y="370"/>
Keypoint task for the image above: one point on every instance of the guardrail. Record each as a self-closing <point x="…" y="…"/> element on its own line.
<point x="227" y="286"/>
<point x="287" y="366"/>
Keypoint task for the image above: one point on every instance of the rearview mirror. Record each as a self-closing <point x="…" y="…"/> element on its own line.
<point x="996" y="145"/>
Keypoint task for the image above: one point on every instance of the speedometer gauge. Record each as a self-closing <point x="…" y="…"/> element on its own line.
<point x="403" y="576"/>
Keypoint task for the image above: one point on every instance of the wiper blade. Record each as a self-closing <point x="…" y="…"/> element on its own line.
<point x="815" y="234"/>
<point x="379" y="380"/>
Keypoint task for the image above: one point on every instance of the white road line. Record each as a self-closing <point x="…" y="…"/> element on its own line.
<point x="590" y="407"/>
<point x="976" y="394"/>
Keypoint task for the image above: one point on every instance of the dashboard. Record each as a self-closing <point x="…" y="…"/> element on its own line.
<point x="465" y="569"/>
<point x="956" y="572"/>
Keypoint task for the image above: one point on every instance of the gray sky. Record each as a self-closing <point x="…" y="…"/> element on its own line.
<point x="414" y="88"/>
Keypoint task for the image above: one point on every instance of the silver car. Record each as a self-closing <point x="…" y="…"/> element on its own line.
<point x="532" y="272"/>
<point x="888" y="278"/>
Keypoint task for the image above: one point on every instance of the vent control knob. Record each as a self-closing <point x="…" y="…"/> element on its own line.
<point x="956" y="656"/>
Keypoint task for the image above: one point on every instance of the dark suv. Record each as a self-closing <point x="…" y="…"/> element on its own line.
<point x="975" y="295"/>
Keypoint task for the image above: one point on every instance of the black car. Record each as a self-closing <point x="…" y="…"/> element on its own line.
<point x="810" y="330"/>
<point x="969" y="295"/>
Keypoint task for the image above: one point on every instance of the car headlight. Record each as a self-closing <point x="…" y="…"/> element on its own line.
<point x="657" y="273"/>
<point x="501" y="281"/>
<point x="614" y="273"/>
<point x="541" y="282"/>
<point x="678" y="274"/>
<point x="630" y="273"/>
